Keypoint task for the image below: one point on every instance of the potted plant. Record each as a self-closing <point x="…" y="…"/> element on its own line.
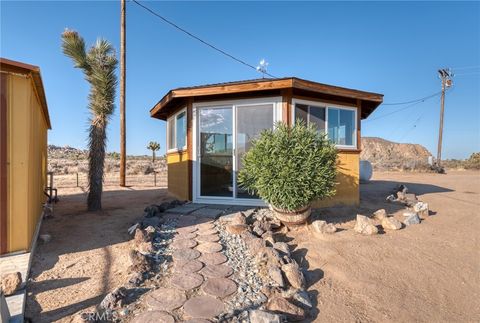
<point x="289" y="168"/>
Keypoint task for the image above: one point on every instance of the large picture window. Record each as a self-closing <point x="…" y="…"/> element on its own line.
<point x="177" y="131"/>
<point x="339" y="123"/>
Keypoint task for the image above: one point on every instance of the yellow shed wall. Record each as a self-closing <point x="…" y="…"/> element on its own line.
<point x="26" y="162"/>
<point x="178" y="175"/>
<point x="348" y="178"/>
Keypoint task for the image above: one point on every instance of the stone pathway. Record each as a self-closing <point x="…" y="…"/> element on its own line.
<point x="198" y="287"/>
<point x="209" y="267"/>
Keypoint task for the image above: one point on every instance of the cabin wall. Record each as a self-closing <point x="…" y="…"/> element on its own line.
<point x="26" y="162"/>
<point x="178" y="165"/>
<point x="348" y="179"/>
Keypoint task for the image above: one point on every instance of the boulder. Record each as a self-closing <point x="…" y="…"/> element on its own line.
<point x="380" y="214"/>
<point x="323" y="227"/>
<point x="259" y="316"/>
<point x="141" y="236"/>
<point x="280" y="305"/>
<point x="268" y="255"/>
<point x="391" y="224"/>
<point x="411" y="218"/>
<point x="365" y="226"/>
<point x="422" y="209"/>
<point x="294" y="275"/>
<point x="11" y="282"/>
<point x="234" y="218"/>
<point x="114" y="299"/>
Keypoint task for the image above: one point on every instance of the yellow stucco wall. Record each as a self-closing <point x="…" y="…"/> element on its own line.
<point x="178" y="175"/>
<point x="348" y="176"/>
<point x="26" y="162"/>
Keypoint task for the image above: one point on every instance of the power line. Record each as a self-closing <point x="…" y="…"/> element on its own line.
<point x="416" y="100"/>
<point x="171" y="23"/>
<point x="405" y="108"/>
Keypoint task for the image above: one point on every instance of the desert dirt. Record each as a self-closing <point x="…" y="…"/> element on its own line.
<point x="422" y="273"/>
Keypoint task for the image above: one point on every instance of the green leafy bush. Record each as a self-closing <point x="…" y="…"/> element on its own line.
<point x="289" y="167"/>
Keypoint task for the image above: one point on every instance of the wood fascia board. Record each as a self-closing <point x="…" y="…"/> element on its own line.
<point x="338" y="91"/>
<point x="221" y="89"/>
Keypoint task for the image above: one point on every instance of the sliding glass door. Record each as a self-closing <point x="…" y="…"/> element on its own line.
<point x="250" y="121"/>
<point x="216" y="151"/>
<point x="225" y="134"/>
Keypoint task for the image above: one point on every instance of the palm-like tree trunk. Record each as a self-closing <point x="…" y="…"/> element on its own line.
<point x="96" y="160"/>
<point x="99" y="65"/>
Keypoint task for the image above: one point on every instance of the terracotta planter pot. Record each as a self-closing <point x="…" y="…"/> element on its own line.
<point x="296" y="217"/>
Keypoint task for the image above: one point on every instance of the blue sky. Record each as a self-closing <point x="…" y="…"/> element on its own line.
<point x="385" y="47"/>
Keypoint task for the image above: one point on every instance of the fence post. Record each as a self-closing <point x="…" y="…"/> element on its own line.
<point x="77" y="179"/>
<point x="154" y="178"/>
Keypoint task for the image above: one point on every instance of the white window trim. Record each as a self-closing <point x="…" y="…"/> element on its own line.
<point x="277" y="115"/>
<point x="327" y="105"/>
<point x="174" y="117"/>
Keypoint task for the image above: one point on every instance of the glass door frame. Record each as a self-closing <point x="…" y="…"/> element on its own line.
<point x="196" y="177"/>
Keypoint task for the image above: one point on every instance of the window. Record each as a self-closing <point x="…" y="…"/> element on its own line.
<point x="177" y="131"/>
<point x="339" y="123"/>
<point x="341" y="126"/>
<point x="311" y="115"/>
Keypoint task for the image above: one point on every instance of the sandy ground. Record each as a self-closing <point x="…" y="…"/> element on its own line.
<point x="87" y="256"/>
<point x="423" y="273"/>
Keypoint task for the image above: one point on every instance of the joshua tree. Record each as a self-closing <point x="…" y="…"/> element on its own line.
<point x="98" y="64"/>
<point x="153" y="146"/>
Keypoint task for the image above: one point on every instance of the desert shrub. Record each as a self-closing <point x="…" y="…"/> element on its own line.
<point x="473" y="162"/>
<point x="148" y="170"/>
<point x="289" y="167"/>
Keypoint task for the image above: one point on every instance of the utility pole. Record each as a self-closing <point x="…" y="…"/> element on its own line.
<point x="123" y="146"/>
<point x="446" y="77"/>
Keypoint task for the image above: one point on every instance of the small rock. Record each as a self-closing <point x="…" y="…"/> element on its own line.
<point x="391" y="224"/>
<point x="255" y="245"/>
<point x="141" y="236"/>
<point x="391" y="198"/>
<point x="132" y="229"/>
<point x="151" y="211"/>
<point x="282" y="306"/>
<point x="422" y="209"/>
<point x="153" y="221"/>
<point x="236" y="228"/>
<point x="412" y="219"/>
<point x="258" y="316"/>
<point x="11" y="282"/>
<point x="401" y="196"/>
<point x="365" y="226"/>
<point x="114" y="299"/>
<point x="282" y="247"/>
<point x="139" y="262"/>
<point x="234" y="218"/>
<point x="276" y="275"/>
<point x="303" y="299"/>
<point x="294" y="275"/>
<point x="380" y="214"/>
<point x="268" y="237"/>
<point x="323" y="227"/>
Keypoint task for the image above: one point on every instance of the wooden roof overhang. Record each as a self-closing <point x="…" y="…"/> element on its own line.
<point x="265" y="87"/>
<point x="14" y="67"/>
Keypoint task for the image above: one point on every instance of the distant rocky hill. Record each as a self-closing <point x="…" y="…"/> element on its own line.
<point x="388" y="155"/>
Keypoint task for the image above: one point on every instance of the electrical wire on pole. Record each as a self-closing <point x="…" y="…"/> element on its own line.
<point x="446" y="76"/>
<point x="188" y="33"/>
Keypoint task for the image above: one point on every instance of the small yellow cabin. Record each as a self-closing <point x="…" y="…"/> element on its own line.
<point x="24" y="122"/>
<point x="210" y="127"/>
